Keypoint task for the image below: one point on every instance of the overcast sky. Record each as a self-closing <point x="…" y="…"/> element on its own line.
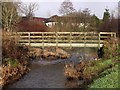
<point x="47" y="8"/>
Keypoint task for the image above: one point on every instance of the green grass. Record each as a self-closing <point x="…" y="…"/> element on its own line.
<point x="10" y="61"/>
<point x="97" y="66"/>
<point x="108" y="79"/>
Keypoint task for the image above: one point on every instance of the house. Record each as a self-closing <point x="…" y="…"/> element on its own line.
<point x="74" y="21"/>
<point x="50" y="24"/>
<point x="44" y="20"/>
<point x="55" y="19"/>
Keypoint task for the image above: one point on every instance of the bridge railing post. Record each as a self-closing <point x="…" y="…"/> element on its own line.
<point x="43" y="40"/>
<point x="115" y="35"/>
<point x="29" y="38"/>
<point x="56" y="39"/>
<point x="70" y="40"/>
<point x="85" y="33"/>
<point x="112" y="34"/>
<point x="99" y="39"/>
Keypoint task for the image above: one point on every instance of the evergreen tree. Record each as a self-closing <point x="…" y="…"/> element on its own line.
<point x="106" y="15"/>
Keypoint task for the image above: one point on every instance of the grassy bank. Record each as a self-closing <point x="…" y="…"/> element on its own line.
<point x="101" y="73"/>
<point x="107" y="79"/>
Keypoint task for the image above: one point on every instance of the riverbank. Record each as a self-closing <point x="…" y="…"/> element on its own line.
<point x="90" y="70"/>
<point x="107" y="79"/>
<point x="95" y="73"/>
<point x="15" y="60"/>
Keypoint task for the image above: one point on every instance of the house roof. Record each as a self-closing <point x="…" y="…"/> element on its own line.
<point x="41" y="19"/>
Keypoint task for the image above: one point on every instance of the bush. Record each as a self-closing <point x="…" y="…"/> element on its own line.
<point x="32" y="26"/>
<point x="15" y="59"/>
<point x="110" y="48"/>
<point x="11" y="48"/>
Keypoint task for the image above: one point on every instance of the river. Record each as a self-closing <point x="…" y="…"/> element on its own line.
<point x="45" y="74"/>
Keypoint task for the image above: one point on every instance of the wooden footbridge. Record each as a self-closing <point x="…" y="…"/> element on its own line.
<point x="64" y="39"/>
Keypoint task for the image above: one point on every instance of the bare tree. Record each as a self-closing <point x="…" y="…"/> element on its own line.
<point x="9" y="15"/>
<point x="119" y="9"/>
<point x="80" y="19"/>
<point x="0" y="15"/>
<point x="66" y="7"/>
<point x="28" y="9"/>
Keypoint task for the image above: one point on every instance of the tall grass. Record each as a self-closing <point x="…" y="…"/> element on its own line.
<point x="15" y="59"/>
<point x="11" y="47"/>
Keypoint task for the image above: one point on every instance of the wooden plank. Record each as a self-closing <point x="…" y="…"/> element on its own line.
<point x="106" y="32"/>
<point x="23" y="40"/>
<point x="70" y="40"/>
<point x="23" y="36"/>
<point x="42" y="36"/>
<point x="29" y="38"/>
<point x="104" y="37"/>
<point x="64" y="32"/>
<point x="56" y="39"/>
<point x="99" y="40"/>
<point x="96" y="41"/>
<point x="63" y="45"/>
<point x="43" y="40"/>
<point x="63" y="36"/>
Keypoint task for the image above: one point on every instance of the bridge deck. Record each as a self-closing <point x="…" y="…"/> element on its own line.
<point x="63" y="45"/>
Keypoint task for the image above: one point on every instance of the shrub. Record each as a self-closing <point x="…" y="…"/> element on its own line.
<point x="11" y="48"/>
<point x="110" y="48"/>
<point x="32" y="26"/>
<point x="15" y="59"/>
